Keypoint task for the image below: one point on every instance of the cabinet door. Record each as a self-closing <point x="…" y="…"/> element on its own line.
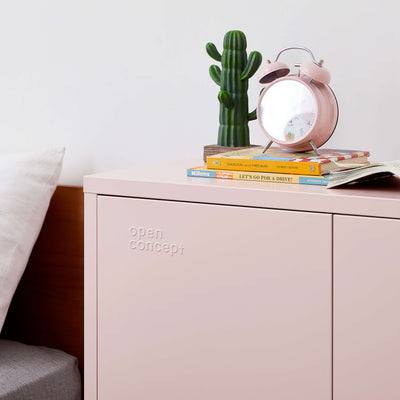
<point x="366" y="348"/>
<point x="212" y="302"/>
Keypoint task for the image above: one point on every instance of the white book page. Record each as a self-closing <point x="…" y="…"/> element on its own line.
<point x="337" y="178"/>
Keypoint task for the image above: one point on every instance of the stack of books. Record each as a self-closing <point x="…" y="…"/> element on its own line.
<point x="279" y="166"/>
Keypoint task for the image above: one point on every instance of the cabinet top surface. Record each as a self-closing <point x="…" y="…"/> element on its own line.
<point x="168" y="181"/>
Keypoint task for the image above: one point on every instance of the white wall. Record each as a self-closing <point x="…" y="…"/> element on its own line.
<point x="122" y="83"/>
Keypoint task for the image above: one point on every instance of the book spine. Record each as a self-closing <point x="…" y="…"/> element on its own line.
<point x="286" y="167"/>
<point x="258" y="177"/>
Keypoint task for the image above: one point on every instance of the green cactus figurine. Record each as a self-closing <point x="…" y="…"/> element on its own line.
<point x="233" y="81"/>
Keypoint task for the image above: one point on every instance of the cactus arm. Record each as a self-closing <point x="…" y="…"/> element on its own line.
<point x="252" y="116"/>
<point x="213" y="52"/>
<point x="215" y="73"/>
<point x="225" y="98"/>
<point x="253" y="63"/>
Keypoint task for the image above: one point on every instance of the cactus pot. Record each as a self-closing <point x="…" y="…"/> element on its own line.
<point x="212" y="149"/>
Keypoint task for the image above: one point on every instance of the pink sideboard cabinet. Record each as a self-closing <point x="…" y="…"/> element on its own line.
<point x="202" y="289"/>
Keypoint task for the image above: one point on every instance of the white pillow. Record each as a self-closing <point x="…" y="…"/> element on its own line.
<point x="27" y="183"/>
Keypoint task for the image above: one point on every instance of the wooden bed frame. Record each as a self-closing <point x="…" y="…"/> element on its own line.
<point x="47" y="308"/>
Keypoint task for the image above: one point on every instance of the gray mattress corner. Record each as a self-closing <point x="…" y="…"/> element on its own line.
<point x="37" y="373"/>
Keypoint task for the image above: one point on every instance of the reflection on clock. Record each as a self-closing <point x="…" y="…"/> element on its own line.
<point x="298" y="126"/>
<point x="288" y="111"/>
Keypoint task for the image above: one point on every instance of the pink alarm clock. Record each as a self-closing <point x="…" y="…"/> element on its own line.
<point x="298" y="112"/>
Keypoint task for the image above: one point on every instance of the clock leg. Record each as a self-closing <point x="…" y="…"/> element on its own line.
<point x="267" y="146"/>
<point x="314" y="147"/>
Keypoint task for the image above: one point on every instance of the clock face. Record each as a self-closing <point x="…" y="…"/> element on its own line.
<point x="287" y="111"/>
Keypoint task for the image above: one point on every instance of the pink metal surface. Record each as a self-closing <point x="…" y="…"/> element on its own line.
<point x="273" y="71"/>
<point x="366" y="301"/>
<point x="315" y="72"/>
<point x="90" y="314"/>
<point x="228" y="298"/>
<point x="169" y="182"/>
<point x="200" y="301"/>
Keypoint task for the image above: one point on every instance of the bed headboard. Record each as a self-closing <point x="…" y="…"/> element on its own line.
<point x="47" y="308"/>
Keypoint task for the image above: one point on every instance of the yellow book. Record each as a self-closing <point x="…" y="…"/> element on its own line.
<point x="280" y="161"/>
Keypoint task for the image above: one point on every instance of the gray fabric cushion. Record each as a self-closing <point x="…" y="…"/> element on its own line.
<point x="37" y="373"/>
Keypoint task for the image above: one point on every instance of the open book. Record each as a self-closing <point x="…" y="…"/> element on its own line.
<point x="371" y="171"/>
